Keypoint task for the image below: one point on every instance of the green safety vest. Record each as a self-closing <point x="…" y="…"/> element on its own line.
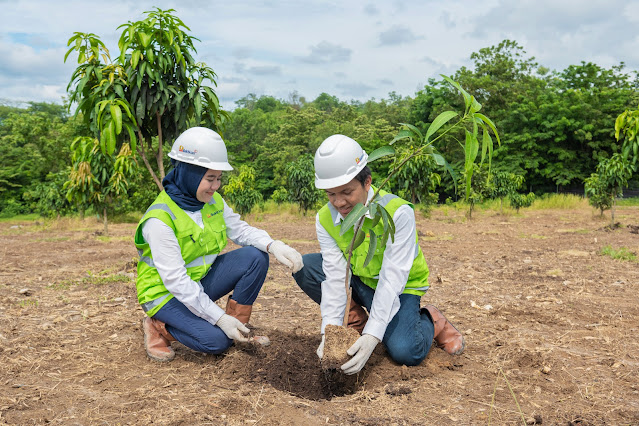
<point x="199" y="246"/>
<point x="418" y="276"/>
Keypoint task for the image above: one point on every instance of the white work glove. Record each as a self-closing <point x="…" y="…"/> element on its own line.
<point x="320" y="348"/>
<point x="287" y="255"/>
<point x="360" y="351"/>
<point x="233" y="328"/>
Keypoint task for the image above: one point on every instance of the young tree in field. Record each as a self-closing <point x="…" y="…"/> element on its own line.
<point x="150" y="93"/>
<point x="607" y="184"/>
<point x="417" y="180"/>
<point x="97" y="177"/>
<point x="241" y="191"/>
<point x="518" y="201"/>
<point x="301" y="183"/>
<point x="280" y="195"/>
<point x="420" y="145"/>
<point x="596" y="192"/>
<point x="505" y="184"/>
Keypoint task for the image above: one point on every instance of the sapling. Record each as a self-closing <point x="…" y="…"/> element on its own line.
<point x="420" y="145"/>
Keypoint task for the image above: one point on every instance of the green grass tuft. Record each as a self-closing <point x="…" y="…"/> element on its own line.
<point x="621" y="253"/>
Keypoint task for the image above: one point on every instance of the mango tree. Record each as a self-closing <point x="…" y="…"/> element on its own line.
<point x="241" y="192"/>
<point x="469" y="122"/>
<point x="150" y="93"/>
<point x="607" y="184"/>
<point x="97" y="177"/>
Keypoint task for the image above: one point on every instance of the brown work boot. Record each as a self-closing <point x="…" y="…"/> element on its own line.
<point x="446" y="335"/>
<point x="357" y="317"/>
<point x="243" y="313"/>
<point x="157" y="340"/>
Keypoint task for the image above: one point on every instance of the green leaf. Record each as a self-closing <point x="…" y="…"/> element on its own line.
<point x="357" y="213"/>
<point x="111" y="140"/>
<point x="402" y="134"/>
<point x="132" y="138"/>
<point x="116" y="116"/>
<point x="360" y="238"/>
<point x="381" y="152"/>
<point x="491" y="124"/>
<point x="438" y="122"/>
<point x="373" y="211"/>
<point x="371" y="248"/>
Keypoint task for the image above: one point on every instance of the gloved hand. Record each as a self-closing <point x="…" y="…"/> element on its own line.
<point x="286" y="255"/>
<point x="320" y="348"/>
<point x="233" y="328"/>
<point x="360" y="351"/>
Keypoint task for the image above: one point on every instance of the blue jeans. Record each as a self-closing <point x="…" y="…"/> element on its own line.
<point x="409" y="335"/>
<point x="241" y="271"/>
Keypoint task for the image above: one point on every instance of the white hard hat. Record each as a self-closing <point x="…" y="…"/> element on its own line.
<point x="337" y="161"/>
<point x="202" y="147"/>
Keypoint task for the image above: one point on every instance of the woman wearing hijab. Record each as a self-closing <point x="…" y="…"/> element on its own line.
<point x="181" y="272"/>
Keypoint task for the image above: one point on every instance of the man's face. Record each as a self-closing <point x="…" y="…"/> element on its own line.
<point x="345" y="197"/>
<point x="208" y="185"/>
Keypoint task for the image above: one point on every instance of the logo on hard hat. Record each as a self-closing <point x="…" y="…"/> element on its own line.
<point x="357" y="160"/>
<point x="182" y="149"/>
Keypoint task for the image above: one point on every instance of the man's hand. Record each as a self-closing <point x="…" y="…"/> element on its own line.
<point x="233" y="328"/>
<point x="360" y="351"/>
<point x="286" y="255"/>
<point x="320" y="348"/>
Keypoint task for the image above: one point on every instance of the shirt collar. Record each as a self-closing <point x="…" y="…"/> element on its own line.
<point x="339" y="216"/>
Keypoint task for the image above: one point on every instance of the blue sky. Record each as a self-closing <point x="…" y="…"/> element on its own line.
<point x="350" y="49"/>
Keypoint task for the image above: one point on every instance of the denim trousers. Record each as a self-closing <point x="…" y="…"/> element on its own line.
<point x="240" y="271"/>
<point x="409" y="335"/>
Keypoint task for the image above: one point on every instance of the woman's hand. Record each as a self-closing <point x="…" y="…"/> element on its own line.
<point x="233" y="328"/>
<point x="286" y="255"/>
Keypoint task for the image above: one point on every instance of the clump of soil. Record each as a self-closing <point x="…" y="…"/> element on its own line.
<point x="337" y="341"/>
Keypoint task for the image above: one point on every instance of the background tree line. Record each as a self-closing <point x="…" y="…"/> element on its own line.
<point x="555" y="128"/>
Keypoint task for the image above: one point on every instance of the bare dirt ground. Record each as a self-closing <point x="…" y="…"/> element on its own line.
<point x="551" y="327"/>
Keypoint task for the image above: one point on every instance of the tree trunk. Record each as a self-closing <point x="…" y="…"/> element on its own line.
<point x="157" y="181"/>
<point x="612" y="213"/>
<point x="159" y="157"/>
<point x="106" y="228"/>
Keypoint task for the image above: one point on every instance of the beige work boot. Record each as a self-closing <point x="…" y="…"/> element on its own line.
<point x="357" y="317"/>
<point x="157" y="341"/>
<point x="243" y="314"/>
<point x="446" y="335"/>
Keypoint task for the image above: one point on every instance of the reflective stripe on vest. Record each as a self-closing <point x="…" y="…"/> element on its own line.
<point x="146" y="307"/>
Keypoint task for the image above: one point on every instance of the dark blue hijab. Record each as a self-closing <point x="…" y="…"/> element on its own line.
<point x="181" y="184"/>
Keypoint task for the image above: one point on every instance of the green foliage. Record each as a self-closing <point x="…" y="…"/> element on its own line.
<point x="152" y="92"/>
<point x="34" y="144"/>
<point x="97" y="177"/>
<point x="48" y="198"/>
<point x="518" y="201"/>
<point x="300" y="183"/>
<point x="241" y="192"/>
<point x="417" y="180"/>
<point x="597" y="193"/>
<point x="627" y="127"/>
<point x="280" y="195"/>
<point x="604" y="186"/>
<point x="504" y="184"/>
<point x="621" y="253"/>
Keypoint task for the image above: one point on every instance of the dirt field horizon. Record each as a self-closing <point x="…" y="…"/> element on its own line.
<point x="550" y="323"/>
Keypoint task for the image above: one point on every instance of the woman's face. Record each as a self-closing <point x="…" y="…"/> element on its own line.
<point x="208" y="185"/>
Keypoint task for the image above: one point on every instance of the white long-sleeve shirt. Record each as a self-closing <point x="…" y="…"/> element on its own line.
<point x="398" y="260"/>
<point x="167" y="258"/>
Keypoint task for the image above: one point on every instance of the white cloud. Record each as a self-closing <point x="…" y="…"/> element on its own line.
<point x="347" y="49"/>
